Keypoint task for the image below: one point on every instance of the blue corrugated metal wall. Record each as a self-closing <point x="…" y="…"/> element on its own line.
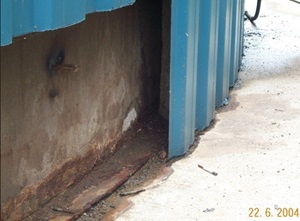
<point x="207" y="62"/>
<point x="224" y="43"/>
<point x="206" y="49"/>
<point x="183" y="74"/>
<point x="19" y="17"/>
<point x="241" y="42"/>
<point x="237" y="20"/>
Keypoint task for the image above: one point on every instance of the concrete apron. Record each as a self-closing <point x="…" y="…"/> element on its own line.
<point x="255" y="144"/>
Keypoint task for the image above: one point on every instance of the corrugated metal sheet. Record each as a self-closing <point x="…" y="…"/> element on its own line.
<point x="207" y="62"/>
<point x="183" y="74"/>
<point x="237" y="20"/>
<point x="19" y="17"/>
<point x="241" y="43"/>
<point x="224" y="47"/>
<point x="206" y="46"/>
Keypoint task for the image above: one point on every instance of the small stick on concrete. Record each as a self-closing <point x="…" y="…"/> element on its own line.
<point x="213" y="173"/>
<point x="58" y="209"/>
<point x="132" y="192"/>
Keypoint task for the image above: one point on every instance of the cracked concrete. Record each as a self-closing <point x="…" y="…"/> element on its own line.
<point x="255" y="144"/>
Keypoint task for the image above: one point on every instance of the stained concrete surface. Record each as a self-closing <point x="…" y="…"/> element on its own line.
<point x="255" y="144"/>
<point x="138" y="148"/>
<point x="55" y="127"/>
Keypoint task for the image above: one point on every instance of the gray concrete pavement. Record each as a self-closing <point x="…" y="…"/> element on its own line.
<point x="255" y="144"/>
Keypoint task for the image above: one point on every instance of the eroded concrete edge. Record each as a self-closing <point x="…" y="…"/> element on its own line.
<point x="87" y="198"/>
<point x="32" y="197"/>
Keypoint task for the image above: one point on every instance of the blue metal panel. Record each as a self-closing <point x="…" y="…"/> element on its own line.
<point x="90" y="6"/>
<point x="233" y="44"/>
<point x="224" y="46"/>
<point x="67" y="12"/>
<point x="241" y="32"/>
<point x="219" y="40"/>
<point x="43" y="15"/>
<point x="54" y="14"/>
<point x="236" y="40"/>
<point x="108" y="5"/>
<point x="207" y="62"/>
<point x="19" y="17"/>
<point x="183" y="68"/>
<point x="22" y="17"/>
<point x="6" y="21"/>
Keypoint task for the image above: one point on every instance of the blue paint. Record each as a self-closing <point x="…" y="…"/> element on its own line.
<point x="108" y="5"/>
<point x="183" y="74"/>
<point x="206" y="46"/>
<point x="20" y="17"/>
<point x="235" y="41"/>
<point x="242" y="10"/>
<point x="207" y="62"/>
<point x="224" y="47"/>
<point x="6" y="21"/>
<point x="233" y="44"/>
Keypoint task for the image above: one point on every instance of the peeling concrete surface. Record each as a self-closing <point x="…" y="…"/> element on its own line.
<point x="255" y="144"/>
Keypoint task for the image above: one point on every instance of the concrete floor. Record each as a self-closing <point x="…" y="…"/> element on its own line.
<point x="255" y="144"/>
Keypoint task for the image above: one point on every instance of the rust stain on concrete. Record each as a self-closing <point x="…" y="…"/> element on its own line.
<point x="32" y="197"/>
<point x="89" y="197"/>
<point x="94" y="193"/>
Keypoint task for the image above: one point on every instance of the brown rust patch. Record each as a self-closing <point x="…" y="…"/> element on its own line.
<point x="32" y="197"/>
<point x="132" y="151"/>
<point x="35" y="197"/>
<point x="92" y="195"/>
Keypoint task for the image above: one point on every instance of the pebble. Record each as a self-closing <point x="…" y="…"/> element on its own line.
<point x="162" y="154"/>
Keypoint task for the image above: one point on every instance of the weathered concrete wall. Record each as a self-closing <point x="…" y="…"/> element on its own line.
<point x="165" y="64"/>
<point x="55" y="128"/>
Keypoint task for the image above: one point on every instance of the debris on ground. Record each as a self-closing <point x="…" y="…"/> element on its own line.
<point x="213" y="173"/>
<point x="209" y="210"/>
<point x="132" y="192"/>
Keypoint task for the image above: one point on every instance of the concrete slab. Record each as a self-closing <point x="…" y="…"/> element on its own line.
<point x="254" y="146"/>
